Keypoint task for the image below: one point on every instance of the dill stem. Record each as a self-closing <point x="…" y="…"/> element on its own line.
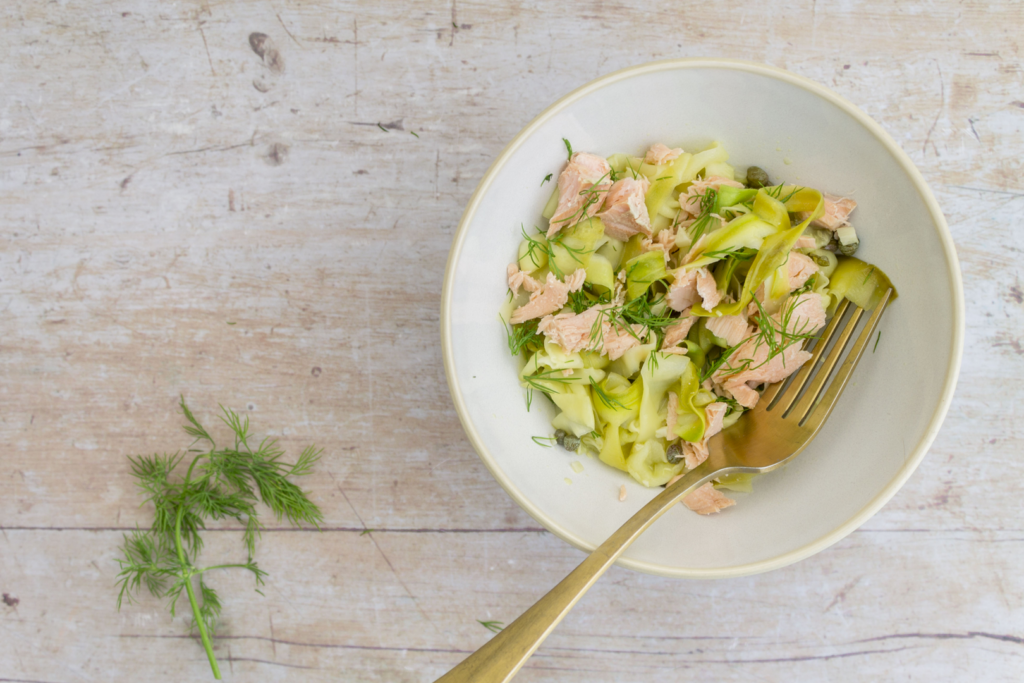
<point x="220" y="566"/>
<point x="200" y="622"/>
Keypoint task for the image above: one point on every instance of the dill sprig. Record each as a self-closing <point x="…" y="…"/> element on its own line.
<point x="535" y="247"/>
<point x="536" y="382"/>
<point x="522" y="336"/>
<point x="603" y="396"/>
<point x="775" y="192"/>
<point x="546" y="179"/>
<point x="568" y="148"/>
<point x="220" y="483"/>
<point x="492" y="626"/>
<point x="622" y="317"/>
<point x="704" y="218"/>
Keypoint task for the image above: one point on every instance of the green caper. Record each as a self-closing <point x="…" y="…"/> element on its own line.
<point x="757" y="177"/>
<point x="819" y="260"/>
<point x="571" y="443"/>
<point x="559" y="436"/>
<point x="848" y="249"/>
<point x="674" y="453"/>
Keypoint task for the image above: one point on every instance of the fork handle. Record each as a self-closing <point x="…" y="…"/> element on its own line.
<point x="502" y="656"/>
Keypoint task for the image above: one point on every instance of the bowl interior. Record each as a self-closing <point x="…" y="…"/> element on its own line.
<point x="886" y="418"/>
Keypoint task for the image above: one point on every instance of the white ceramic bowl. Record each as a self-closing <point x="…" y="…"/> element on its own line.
<point x="798" y="131"/>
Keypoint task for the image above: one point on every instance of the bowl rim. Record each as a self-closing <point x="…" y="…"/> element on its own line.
<point x="952" y="264"/>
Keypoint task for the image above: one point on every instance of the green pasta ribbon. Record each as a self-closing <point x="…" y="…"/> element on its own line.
<point x="861" y="283"/>
<point x="643" y="271"/>
<point x="691" y="421"/>
<point x="649" y="465"/>
<point x="659" y="373"/>
<point x="773" y="252"/>
<point x="617" y="403"/>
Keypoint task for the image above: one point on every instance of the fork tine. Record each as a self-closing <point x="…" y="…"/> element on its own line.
<point x="793" y="390"/>
<point x="828" y="400"/>
<point x="799" y="411"/>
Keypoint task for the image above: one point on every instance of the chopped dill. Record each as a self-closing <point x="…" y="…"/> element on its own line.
<point x="568" y="147"/>
<point x="412" y="132"/>
<point x="546" y="179"/>
<point x="877" y="339"/>
<point x="868" y="276"/>
<point x="543" y="441"/>
<point x="383" y="128"/>
<point x="776" y="338"/>
<point x="707" y="207"/>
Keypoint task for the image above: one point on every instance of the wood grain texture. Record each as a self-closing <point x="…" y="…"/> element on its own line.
<point x="179" y="215"/>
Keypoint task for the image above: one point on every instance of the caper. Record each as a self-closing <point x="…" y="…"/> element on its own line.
<point x="674" y="453"/>
<point x="848" y="249"/>
<point x="571" y="443"/>
<point x="757" y="177"/>
<point x="819" y="260"/>
<point x="559" y="436"/>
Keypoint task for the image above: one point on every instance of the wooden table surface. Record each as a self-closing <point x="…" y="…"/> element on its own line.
<point x="181" y="216"/>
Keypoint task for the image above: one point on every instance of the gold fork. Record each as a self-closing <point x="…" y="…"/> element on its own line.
<point x="778" y="428"/>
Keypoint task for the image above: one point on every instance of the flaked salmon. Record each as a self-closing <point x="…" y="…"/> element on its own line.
<point x="576" y="332"/>
<point x="754" y="363"/>
<point x="582" y="187"/>
<point x="707" y="500"/>
<point x="837" y="212"/>
<point x="697" y="452"/>
<point x="660" y="154"/>
<point x="693" y="286"/>
<point x="518" y="279"/>
<point x="800" y="268"/>
<point x="552" y="296"/>
<point x="677" y="332"/>
<point x="625" y="213"/>
<point x="731" y="328"/>
<point x="671" y="417"/>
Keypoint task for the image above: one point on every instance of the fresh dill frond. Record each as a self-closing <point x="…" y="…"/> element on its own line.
<point x="544" y="441"/>
<point x="221" y="483"/>
<point x="524" y="336"/>
<point x="412" y="132"/>
<point x="535" y="381"/>
<point x="868" y="276"/>
<point x="492" y="626"/>
<point x="546" y="179"/>
<point x="383" y="128"/>
<point x="568" y="148"/>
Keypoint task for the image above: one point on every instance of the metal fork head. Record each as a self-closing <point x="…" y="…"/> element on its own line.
<point x="784" y="421"/>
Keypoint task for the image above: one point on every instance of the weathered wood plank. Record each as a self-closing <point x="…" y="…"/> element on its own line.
<point x="404" y="606"/>
<point x="160" y="181"/>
